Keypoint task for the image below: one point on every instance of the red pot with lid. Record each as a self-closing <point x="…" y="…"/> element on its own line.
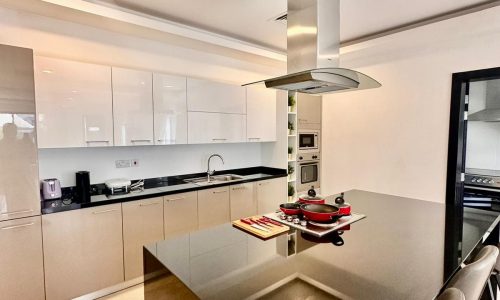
<point x="311" y="197"/>
<point x="344" y="207"/>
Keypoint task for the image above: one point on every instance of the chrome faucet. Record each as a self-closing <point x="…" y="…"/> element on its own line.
<point x="210" y="173"/>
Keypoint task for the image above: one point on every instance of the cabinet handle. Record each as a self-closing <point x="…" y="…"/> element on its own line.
<point x="17" y="226"/>
<point x="103" y="211"/>
<point x="239" y="188"/>
<point x="175" y="199"/>
<point x="137" y="141"/>
<point x="263" y="183"/>
<point x="166" y="140"/>
<point x="219" y="192"/>
<point x="18" y="212"/>
<point x="215" y="140"/>
<point x="89" y="142"/>
<point x="148" y="204"/>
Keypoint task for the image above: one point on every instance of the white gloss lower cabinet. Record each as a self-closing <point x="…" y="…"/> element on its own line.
<point x="206" y="128"/>
<point x="21" y="259"/>
<point x="181" y="213"/>
<point x="270" y="194"/>
<point x="170" y="109"/>
<point x="243" y="201"/>
<point x="83" y="251"/>
<point x="142" y="225"/>
<point x="132" y="107"/>
<point x="261" y="114"/>
<point x="73" y="104"/>
<point x="213" y="207"/>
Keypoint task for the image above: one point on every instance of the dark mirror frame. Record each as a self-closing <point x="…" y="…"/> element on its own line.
<point x="456" y="162"/>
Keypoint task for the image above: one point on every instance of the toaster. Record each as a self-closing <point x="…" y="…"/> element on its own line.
<point x="51" y="189"/>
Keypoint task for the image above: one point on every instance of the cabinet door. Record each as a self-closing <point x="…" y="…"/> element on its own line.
<point x="84" y="246"/>
<point x="142" y="225"/>
<point x="216" y="128"/>
<point x="243" y="201"/>
<point x="181" y="213"/>
<point x="261" y="114"/>
<point x="19" y="185"/>
<point x="73" y="103"/>
<point x="309" y="111"/>
<point x="209" y="96"/>
<point x="21" y="259"/>
<point x="270" y="194"/>
<point x="170" y="109"/>
<point x="213" y="207"/>
<point x="132" y="107"/>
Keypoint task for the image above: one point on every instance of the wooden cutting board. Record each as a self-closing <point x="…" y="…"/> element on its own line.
<point x="274" y="230"/>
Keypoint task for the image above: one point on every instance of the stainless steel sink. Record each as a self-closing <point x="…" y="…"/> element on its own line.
<point x="215" y="179"/>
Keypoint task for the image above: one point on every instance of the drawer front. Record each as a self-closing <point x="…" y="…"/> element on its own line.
<point x="243" y="201"/>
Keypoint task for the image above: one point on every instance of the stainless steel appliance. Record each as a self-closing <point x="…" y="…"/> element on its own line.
<point x="309" y="141"/>
<point x="51" y="189"/>
<point x="313" y="37"/>
<point x="19" y="184"/>
<point x="309" y="171"/>
<point x="482" y="189"/>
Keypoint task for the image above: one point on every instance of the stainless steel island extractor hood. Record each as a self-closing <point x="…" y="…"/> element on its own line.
<point x="313" y="40"/>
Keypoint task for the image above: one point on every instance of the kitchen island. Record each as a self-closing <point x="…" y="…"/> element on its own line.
<point x="404" y="249"/>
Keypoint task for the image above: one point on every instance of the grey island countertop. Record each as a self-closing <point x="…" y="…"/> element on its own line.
<point x="399" y="251"/>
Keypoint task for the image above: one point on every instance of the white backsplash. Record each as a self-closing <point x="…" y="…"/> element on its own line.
<point x="154" y="161"/>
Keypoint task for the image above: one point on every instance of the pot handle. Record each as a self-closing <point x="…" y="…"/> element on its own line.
<point x="337" y="240"/>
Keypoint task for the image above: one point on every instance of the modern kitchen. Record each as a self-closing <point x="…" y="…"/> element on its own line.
<point x="284" y="149"/>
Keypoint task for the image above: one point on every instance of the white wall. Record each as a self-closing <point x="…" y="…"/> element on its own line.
<point x="154" y="161"/>
<point x="63" y="39"/>
<point x="395" y="139"/>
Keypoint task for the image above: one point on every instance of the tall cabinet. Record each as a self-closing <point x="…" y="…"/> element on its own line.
<point x="21" y="258"/>
<point x="74" y="104"/>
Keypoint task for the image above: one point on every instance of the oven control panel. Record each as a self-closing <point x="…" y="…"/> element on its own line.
<point x="481" y="180"/>
<point x="307" y="157"/>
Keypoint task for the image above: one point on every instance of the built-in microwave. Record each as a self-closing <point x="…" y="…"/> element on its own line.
<point x="309" y="141"/>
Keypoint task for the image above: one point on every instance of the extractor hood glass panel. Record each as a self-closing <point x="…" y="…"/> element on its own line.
<point x="353" y="81"/>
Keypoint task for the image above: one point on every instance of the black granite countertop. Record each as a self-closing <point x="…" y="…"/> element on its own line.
<point x="399" y="251"/>
<point x="155" y="187"/>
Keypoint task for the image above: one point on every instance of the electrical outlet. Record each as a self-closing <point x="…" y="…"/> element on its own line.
<point x="123" y="163"/>
<point x="134" y="162"/>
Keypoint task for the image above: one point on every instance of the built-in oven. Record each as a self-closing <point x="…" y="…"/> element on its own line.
<point x="482" y="189"/>
<point x="309" y="140"/>
<point x="309" y="171"/>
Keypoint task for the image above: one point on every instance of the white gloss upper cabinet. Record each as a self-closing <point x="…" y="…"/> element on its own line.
<point x="216" y="128"/>
<point x="132" y="107"/>
<point x="261" y="114"/>
<point x="209" y="96"/>
<point x="73" y="103"/>
<point x="170" y="109"/>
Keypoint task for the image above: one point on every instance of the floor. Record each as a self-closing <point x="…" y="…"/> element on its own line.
<point x="296" y="289"/>
<point x="135" y="292"/>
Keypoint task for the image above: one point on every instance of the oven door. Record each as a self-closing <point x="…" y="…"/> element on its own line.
<point x="308" y="176"/>
<point x="308" y="141"/>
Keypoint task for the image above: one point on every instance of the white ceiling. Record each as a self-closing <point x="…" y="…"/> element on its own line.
<point x="251" y="20"/>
